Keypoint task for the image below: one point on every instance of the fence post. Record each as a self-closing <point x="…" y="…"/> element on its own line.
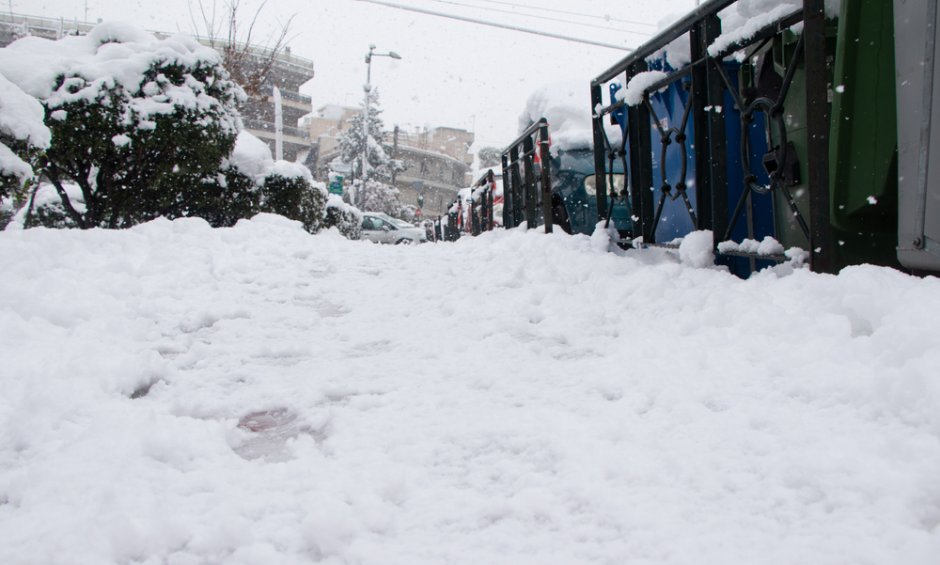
<point x="817" y="132"/>
<point x="528" y="154"/>
<point x="711" y="167"/>
<point x="600" y="159"/>
<point x="641" y="162"/>
<point x="546" y="159"/>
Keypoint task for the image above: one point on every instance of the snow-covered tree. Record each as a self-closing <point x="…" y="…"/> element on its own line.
<point x="408" y="212"/>
<point x="379" y="165"/>
<point x="138" y="123"/>
<point x="376" y="196"/>
<point x="489" y="157"/>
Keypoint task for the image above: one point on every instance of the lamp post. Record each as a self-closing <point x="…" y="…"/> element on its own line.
<point x="365" y="117"/>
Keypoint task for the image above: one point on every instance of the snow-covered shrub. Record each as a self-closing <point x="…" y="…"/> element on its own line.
<point x="295" y="197"/>
<point x="22" y="137"/>
<point x="344" y="217"/>
<point x="221" y="199"/>
<point x="131" y="117"/>
<point x="277" y="187"/>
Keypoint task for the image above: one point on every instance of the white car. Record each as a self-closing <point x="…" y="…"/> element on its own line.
<point x="382" y="228"/>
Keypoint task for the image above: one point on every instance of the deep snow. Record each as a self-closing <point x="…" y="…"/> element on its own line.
<point x="514" y="398"/>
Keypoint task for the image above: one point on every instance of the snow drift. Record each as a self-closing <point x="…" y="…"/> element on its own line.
<point x="179" y="394"/>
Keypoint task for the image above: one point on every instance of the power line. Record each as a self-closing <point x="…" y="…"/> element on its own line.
<point x="539" y="17"/>
<point x="494" y="24"/>
<point x="566" y="12"/>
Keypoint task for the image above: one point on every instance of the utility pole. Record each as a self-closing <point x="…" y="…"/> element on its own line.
<point x="395" y="151"/>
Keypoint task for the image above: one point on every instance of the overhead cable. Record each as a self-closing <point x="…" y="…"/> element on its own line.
<point x="606" y="18"/>
<point x="540" y="17"/>
<point x="494" y="24"/>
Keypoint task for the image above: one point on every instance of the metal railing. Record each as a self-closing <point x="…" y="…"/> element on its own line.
<point x="521" y="184"/>
<point x="481" y="203"/>
<point x="707" y="83"/>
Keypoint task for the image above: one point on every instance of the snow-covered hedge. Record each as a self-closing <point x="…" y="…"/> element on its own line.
<point x="342" y="216"/>
<point x="280" y="187"/>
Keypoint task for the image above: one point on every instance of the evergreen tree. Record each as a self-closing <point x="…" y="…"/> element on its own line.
<point x="380" y="166"/>
<point x="376" y="193"/>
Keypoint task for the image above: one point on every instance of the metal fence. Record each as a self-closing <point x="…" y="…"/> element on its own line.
<point x="708" y="84"/>
<point x="526" y="175"/>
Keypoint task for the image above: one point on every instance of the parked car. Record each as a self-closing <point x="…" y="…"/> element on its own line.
<point x="382" y="228"/>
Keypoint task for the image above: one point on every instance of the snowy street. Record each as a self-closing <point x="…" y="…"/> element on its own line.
<point x="184" y="395"/>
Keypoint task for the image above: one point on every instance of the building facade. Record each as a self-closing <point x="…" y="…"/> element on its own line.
<point x="288" y="73"/>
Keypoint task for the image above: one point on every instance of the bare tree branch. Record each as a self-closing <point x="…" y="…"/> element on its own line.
<point x="250" y="66"/>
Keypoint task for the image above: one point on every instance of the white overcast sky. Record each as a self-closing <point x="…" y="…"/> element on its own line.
<point x="452" y="73"/>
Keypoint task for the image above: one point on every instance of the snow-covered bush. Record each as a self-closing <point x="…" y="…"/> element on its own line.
<point x="221" y="199"/>
<point x="295" y="197"/>
<point x="22" y="136"/>
<point x="277" y="187"/>
<point x="344" y="217"/>
<point x="133" y="118"/>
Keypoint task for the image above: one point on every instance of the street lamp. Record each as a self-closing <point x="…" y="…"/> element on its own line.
<point x="365" y="117"/>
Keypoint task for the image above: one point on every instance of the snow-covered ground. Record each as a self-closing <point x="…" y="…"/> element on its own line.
<point x="181" y="395"/>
